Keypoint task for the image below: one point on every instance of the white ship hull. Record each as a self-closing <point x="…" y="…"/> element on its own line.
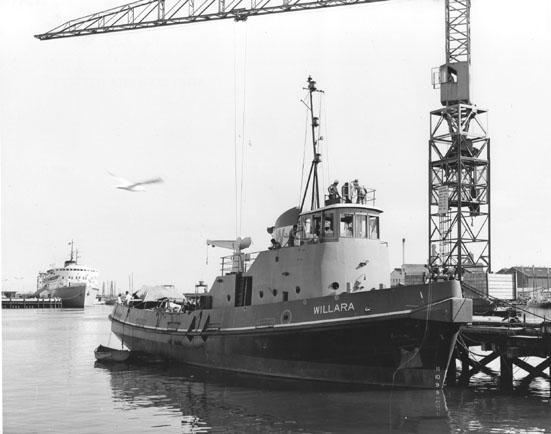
<point x="74" y="296"/>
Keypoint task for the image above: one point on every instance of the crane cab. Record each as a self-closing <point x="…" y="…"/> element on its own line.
<point x="454" y="83"/>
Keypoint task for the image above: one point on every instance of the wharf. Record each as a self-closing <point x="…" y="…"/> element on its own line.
<point x="31" y="303"/>
<point x="510" y="342"/>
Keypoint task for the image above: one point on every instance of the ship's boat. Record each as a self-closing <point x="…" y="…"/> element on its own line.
<point x="74" y="283"/>
<point x="316" y="305"/>
<point x="106" y="354"/>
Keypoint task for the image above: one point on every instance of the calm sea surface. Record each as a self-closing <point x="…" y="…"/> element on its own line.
<point x="51" y="383"/>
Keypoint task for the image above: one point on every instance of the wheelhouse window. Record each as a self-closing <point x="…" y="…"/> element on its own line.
<point x="361" y="225"/>
<point x="329" y="225"/>
<point x="306" y="225"/>
<point x="347" y="225"/>
<point x="316" y="225"/>
<point x="373" y="227"/>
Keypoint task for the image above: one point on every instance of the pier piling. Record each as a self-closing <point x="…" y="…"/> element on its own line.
<point x="511" y="343"/>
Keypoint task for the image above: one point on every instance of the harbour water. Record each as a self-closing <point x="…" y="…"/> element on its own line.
<point x="51" y="383"/>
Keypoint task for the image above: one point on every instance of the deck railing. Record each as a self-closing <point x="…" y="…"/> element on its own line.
<point x="237" y="263"/>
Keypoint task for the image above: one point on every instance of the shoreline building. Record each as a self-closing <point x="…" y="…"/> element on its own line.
<point x="529" y="279"/>
<point x="409" y="274"/>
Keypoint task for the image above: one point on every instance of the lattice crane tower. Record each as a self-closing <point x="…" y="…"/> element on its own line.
<point x="459" y="163"/>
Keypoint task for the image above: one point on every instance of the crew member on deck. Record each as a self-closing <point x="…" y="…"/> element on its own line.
<point x="275" y="244"/>
<point x="334" y="191"/>
<point x="361" y="194"/>
<point x="346" y="192"/>
<point x="292" y="236"/>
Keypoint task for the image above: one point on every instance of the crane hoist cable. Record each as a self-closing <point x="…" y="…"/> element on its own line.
<point x="320" y="139"/>
<point x="306" y="128"/>
<point x="239" y="139"/>
<point x="243" y="120"/>
<point x="323" y="139"/>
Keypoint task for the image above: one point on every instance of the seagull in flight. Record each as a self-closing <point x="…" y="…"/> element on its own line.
<point x="125" y="184"/>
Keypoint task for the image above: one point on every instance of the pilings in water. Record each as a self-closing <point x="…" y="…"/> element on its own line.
<point x="508" y="342"/>
<point x="31" y="303"/>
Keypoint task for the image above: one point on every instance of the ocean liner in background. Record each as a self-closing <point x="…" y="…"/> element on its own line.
<point x="75" y="284"/>
<point x="316" y="305"/>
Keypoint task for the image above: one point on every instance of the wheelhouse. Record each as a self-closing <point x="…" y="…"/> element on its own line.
<point x="339" y="221"/>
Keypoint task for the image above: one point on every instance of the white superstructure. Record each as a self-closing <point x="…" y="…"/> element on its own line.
<point x="71" y="274"/>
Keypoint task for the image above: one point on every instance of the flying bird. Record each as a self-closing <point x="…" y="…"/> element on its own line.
<point x="125" y="184"/>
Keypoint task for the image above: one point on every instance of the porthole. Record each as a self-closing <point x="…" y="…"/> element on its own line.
<point x="274" y="291"/>
<point x="297" y="289"/>
<point x="335" y="285"/>
<point x="261" y="293"/>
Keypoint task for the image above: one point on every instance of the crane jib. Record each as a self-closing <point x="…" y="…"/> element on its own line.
<point x="156" y="13"/>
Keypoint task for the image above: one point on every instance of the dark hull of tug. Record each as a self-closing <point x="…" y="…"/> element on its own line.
<point x="406" y="348"/>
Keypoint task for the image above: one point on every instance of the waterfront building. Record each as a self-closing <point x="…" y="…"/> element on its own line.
<point x="408" y="274"/>
<point x="529" y="278"/>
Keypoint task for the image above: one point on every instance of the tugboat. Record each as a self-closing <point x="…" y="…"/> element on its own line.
<point x="75" y="284"/>
<point x="316" y="305"/>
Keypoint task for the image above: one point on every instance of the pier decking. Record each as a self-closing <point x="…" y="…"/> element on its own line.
<point x="31" y="303"/>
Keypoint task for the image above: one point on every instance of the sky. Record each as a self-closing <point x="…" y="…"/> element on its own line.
<point x="181" y="102"/>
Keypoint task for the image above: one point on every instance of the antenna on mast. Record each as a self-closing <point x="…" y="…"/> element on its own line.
<point x="313" y="174"/>
<point x="72" y="252"/>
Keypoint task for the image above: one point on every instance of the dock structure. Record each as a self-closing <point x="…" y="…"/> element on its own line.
<point x="508" y="342"/>
<point x="31" y="303"/>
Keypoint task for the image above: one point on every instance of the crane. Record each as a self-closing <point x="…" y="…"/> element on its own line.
<point x="459" y="147"/>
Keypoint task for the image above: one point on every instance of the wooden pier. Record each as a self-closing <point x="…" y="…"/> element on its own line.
<point x="31" y="303"/>
<point x="508" y="342"/>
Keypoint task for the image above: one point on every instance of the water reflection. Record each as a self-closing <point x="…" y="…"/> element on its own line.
<point x="488" y="409"/>
<point x="221" y="402"/>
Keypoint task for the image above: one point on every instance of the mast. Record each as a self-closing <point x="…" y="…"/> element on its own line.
<point x="313" y="174"/>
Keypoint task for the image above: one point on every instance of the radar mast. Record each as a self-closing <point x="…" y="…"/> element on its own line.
<point x="313" y="174"/>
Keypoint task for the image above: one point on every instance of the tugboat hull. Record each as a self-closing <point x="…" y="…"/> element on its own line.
<point x="389" y="337"/>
